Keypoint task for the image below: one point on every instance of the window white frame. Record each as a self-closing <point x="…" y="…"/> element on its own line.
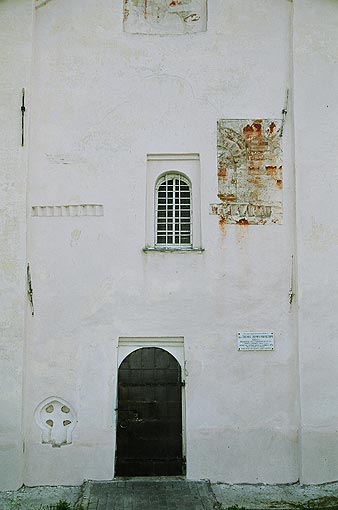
<point x="173" y="211"/>
<point x="188" y="166"/>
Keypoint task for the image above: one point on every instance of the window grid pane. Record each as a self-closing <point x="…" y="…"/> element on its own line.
<point x="173" y="212"/>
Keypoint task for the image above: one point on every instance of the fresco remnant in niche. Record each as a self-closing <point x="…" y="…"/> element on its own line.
<point x="164" y="16"/>
<point x="250" y="179"/>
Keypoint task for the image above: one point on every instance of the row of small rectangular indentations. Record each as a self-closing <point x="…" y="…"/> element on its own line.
<point x="67" y="210"/>
<point x="235" y="209"/>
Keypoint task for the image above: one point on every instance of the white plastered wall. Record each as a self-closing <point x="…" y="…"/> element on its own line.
<point x="15" y="42"/>
<point x="102" y="101"/>
<point x="316" y="128"/>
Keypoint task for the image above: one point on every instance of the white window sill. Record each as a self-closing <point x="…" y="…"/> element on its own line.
<point x="172" y="249"/>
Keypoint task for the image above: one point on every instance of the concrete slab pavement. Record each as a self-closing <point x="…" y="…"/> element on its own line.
<point x="174" y="494"/>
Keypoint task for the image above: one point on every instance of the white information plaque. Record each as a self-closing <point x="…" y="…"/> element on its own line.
<point x="255" y="341"/>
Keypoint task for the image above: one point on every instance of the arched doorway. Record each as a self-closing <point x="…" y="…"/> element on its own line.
<point x="149" y="420"/>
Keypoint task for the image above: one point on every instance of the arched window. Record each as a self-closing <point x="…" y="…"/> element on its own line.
<point x="173" y="211"/>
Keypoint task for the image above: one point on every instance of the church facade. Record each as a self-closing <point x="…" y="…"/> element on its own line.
<point x="169" y="176"/>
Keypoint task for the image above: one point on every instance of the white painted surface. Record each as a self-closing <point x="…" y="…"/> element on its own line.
<point x="101" y="100"/>
<point x="15" y="53"/>
<point x="316" y="123"/>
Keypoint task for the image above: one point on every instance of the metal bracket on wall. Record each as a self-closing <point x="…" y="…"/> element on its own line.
<point x="30" y="288"/>
<point x="291" y="293"/>
<point x="23" y="109"/>
<point x="284" y="112"/>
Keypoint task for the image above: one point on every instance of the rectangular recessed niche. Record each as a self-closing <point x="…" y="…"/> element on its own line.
<point x="250" y="173"/>
<point x="186" y="165"/>
<point x="67" y="210"/>
<point x="166" y="17"/>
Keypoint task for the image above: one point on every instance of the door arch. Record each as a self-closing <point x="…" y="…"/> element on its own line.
<point x="149" y="417"/>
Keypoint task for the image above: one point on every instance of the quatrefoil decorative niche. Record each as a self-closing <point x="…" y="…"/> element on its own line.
<point x="57" y="420"/>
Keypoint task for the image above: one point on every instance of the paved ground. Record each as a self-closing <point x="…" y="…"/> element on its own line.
<point x="149" y="495"/>
<point x="166" y="493"/>
<point x="278" y="497"/>
<point x="173" y="493"/>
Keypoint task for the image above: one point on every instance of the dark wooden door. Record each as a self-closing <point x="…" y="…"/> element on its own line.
<point x="149" y="423"/>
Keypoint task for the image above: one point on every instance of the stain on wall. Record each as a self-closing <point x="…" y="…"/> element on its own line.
<point x="41" y="3"/>
<point x="165" y="16"/>
<point x="250" y="179"/>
